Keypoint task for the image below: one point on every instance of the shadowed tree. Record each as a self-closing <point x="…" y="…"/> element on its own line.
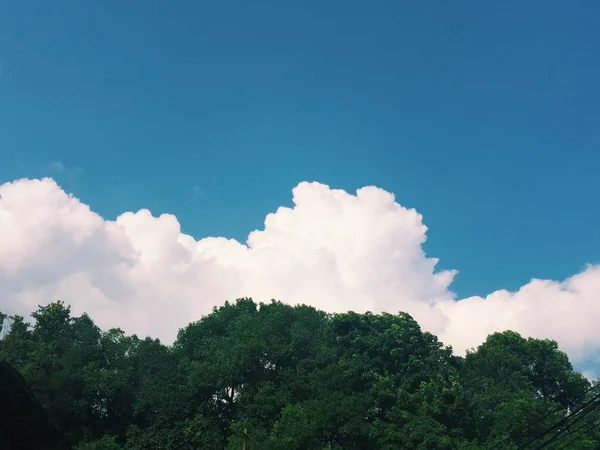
<point x="293" y="378"/>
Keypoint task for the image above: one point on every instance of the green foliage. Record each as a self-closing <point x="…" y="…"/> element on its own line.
<point x="104" y="443"/>
<point x="292" y="378"/>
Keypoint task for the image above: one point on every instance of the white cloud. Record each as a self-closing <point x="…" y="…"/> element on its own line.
<point x="333" y="250"/>
<point x="197" y="191"/>
<point x="590" y="375"/>
<point x="62" y="170"/>
<point x="57" y="166"/>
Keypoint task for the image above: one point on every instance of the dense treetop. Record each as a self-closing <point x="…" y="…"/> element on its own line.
<point x="294" y="378"/>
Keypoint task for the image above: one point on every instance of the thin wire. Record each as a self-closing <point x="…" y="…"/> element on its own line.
<point x="565" y="431"/>
<point x="561" y="422"/>
<point x="536" y="422"/>
<point x="584" y="429"/>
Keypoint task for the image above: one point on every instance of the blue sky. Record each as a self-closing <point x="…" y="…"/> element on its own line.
<point x="484" y="116"/>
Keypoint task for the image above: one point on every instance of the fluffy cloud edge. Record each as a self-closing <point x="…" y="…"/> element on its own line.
<point x="333" y="250"/>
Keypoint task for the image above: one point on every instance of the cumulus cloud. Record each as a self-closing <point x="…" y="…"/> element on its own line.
<point x="57" y="166"/>
<point x="61" y="169"/>
<point x="333" y="250"/>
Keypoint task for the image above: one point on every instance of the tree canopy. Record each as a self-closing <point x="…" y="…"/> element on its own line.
<point x="295" y="378"/>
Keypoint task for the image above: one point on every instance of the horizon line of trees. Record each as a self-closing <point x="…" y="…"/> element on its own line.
<point x="295" y="378"/>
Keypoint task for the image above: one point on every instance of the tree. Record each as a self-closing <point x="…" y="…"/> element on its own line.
<point x="293" y="378"/>
<point x="513" y="382"/>
<point x="104" y="443"/>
